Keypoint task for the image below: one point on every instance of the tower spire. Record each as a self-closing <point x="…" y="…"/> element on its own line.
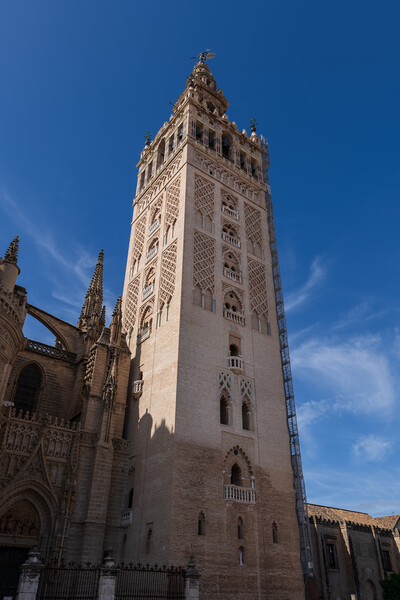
<point x="11" y="255"/>
<point x="116" y="323"/>
<point x="91" y="314"/>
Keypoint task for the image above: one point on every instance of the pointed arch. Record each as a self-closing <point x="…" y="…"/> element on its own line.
<point x="28" y="385"/>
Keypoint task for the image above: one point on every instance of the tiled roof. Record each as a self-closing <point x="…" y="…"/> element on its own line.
<point x="340" y="514"/>
<point x="388" y="522"/>
<point x="351" y="516"/>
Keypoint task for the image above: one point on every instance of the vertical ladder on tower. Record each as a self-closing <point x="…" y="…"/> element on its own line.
<point x="298" y="479"/>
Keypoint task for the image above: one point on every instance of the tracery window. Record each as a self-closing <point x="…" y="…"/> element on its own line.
<point x="28" y="388"/>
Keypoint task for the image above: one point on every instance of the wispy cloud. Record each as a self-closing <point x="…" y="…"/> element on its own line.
<point x="371" y="448"/>
<point x="317" y="274"/>
<point x="70" y="273"/>
<point x="354" y="374"/>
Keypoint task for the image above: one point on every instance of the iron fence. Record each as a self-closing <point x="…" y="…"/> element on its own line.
<point x="69" y="582"/>
<point x="143" y="582"/>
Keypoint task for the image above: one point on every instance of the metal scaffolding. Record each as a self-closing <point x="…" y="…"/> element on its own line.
<point x="298" y="479"/>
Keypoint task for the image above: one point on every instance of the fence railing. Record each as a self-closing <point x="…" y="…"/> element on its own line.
<point x="106" y="582"/>
<point x="74" y="582"/>
<point x="139" y="582"/>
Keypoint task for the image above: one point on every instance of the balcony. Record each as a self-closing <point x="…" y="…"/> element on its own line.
<point x="151" y="253"/>
<point x="235" y="364"/>
<point x="137" y="389"/>
<point x="143" y="335"/>
<point x="126" y="517"/>
<point x="236" y="317"/>
<point x="232" y="240"/>
<point x="239" y="494"/>
<point x="232" y="275"/>
<point x="232" y="213"/>
<point x="154" y="226"/>
<point x="147" y="291"/>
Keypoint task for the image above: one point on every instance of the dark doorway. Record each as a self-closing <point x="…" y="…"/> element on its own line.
<point x="10" y="561"/>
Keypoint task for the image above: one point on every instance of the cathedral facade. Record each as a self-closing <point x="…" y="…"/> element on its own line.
<point x="166" y="434"/>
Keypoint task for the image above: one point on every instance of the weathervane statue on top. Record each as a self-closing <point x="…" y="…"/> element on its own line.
<point x="203" y="56"/>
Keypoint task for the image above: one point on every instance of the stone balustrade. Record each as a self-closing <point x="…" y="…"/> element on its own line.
<point x="231" y="240"/>
<point x="147" y="291"/>
<point x="154" y="226"/>
<point x="236" y="317"/>
<point x="235" y="363"/>
<point x="151" y="253"/>
<point x="232" y="213"/>
<point x="50" y="351"/>
<point x="232" y="275"/>
<point x="239" y="494"/>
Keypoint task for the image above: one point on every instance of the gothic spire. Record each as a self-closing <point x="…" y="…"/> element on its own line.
<point x="116" y="324"/>
<point x="11" y="255"/>
<point x="91" y="314"/>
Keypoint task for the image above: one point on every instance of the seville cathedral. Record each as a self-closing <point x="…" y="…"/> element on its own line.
<point x="172" y="433"/>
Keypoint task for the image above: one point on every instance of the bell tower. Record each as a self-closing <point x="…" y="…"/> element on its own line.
<point x="210" y="468"/>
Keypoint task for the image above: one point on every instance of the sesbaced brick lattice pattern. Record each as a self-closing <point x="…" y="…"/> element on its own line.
<point x="252" y="219"/>
<point x="139" y="238"/>
<point x="204" y="196"/>
<point x="131" y="304"/>
<point x="173" y="196"/>
<point x="168" y="267"/>
<point x="258" y="288"/>
<point x="204" y="261"/>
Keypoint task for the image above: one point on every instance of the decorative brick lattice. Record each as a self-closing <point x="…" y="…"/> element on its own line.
<point x="246" y="389"/>
<point x="131" y="304"/>
<point x="204" y="196"/>
<point x="138" y="242"/>
<point x="173" y="196"/>
<point x="204" y="261"/>
<point x="252" y="219"/>
<point x="168" y="266"/>
<point x="225" y="384"/>
<point x="258" y="288"/>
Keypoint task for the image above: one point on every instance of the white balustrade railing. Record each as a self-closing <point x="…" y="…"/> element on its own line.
<point x="237" y="317"/>
<point x="154" y="226"/>
<point x="239" y="494"/>
<point x="137" y="388"/>
<point x="143" y="335"/>
<point x="230" y="212"/>
<point x="151" y="253"/>
<point x="235" y="363"/>
<point x="126" y="517"/>
<point x="147" y="291"/>
<point x="232" y="240"/>
<point x="232" y="275"/>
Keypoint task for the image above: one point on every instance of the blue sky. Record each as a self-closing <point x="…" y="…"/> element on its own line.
<point x="82" y="82"/>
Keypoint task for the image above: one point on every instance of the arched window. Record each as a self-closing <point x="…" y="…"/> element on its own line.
<point x="150" y="277"/>
<point x="160" y="153"/>
<point x="230" y="234"/>
<point x="28" y="388"/>
<point x="227" y="146"/>
<point x="224" y="409"/>
<point x="234" y="350"/>
<point x="197" y="296"/>
<point x="236" y="475"/>
<point x="201" y="524"/>
<point x="241" y="555"/>
<point x="274" y="533"/>
<point x="245" y="416"/>
<point x="149" y="541"/>
<point x="240" y="529"/>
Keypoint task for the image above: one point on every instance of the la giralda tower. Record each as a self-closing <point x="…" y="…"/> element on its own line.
<point x="211" y="470"/>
